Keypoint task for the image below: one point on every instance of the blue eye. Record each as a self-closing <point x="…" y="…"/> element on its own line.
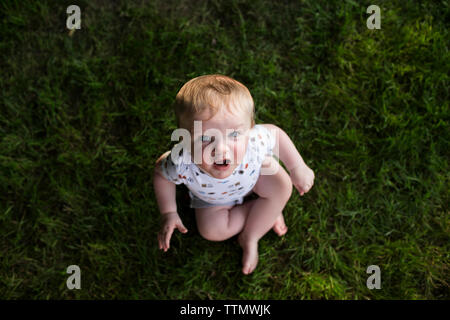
<point x="234" y="134"/>
<point x="205" y="138"/>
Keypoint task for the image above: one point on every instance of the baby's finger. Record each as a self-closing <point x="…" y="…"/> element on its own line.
<point x="160" y="240"/>
<point x="299" y="189"/>
<point x="168" y="236"/>
<point x="181" y="228"/>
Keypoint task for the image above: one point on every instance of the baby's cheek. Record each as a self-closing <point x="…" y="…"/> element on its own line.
<point x="204" y="157"/>
<point x="239" y="152"/>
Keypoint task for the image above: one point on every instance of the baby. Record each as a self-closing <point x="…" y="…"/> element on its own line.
<point x="232" y="157"/>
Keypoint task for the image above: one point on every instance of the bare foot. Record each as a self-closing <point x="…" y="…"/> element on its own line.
<point x="279" y="226"/>
<point x="249" y="256"/>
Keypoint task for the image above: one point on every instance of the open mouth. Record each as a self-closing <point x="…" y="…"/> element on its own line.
<point x="222" y="165"/>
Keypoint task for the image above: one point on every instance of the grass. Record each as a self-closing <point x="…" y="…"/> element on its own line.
<point x="84" y="117"/>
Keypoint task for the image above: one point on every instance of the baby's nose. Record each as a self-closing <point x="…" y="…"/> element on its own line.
<point x="220" y="151"/>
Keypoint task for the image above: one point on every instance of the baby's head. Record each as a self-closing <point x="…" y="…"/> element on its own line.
<point x="226" y="111"/>
<point x="212" y="94"/>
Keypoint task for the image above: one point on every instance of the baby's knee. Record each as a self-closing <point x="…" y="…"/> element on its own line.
<point x="278" y="187"/>
<point x="211" y="233"/>
<point x="281" y="190"/>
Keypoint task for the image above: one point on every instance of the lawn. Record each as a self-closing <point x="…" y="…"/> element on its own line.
<point x="84" y="116"/>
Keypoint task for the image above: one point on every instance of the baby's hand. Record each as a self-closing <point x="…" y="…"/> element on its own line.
<point x="302" y="178"/>
<point x="170" y="221"/>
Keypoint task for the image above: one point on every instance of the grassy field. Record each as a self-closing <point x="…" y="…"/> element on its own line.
<point x="84" y="117"/>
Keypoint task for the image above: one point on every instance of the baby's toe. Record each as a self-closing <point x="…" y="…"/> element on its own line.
<point x="279" y="226"/>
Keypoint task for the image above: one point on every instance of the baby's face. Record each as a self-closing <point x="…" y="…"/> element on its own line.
<point x="223" y="141"/>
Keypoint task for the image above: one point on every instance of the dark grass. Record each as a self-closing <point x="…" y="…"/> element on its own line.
<point x="83" y="119"/>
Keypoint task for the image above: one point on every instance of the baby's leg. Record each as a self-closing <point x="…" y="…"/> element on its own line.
<point x="221" y="223"/>
<point x="274" y="192"/>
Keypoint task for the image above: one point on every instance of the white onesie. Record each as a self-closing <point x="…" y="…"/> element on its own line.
<point x="207" y="191"/>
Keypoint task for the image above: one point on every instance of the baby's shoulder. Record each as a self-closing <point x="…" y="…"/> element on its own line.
<point x="261" y="132"/>
<point x="261" y="140"/>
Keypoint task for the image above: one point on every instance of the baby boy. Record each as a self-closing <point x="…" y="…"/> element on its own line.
<point x="232" y="157"/>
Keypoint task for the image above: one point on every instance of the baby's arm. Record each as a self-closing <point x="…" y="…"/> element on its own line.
<point x="165" y="192"/>
<point x="301" y="175"/>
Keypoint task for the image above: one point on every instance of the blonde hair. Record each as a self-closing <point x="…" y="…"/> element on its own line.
<point x="213" y="93"/>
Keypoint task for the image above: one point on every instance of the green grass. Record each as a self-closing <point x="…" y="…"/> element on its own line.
<point x="83" y="118"/>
